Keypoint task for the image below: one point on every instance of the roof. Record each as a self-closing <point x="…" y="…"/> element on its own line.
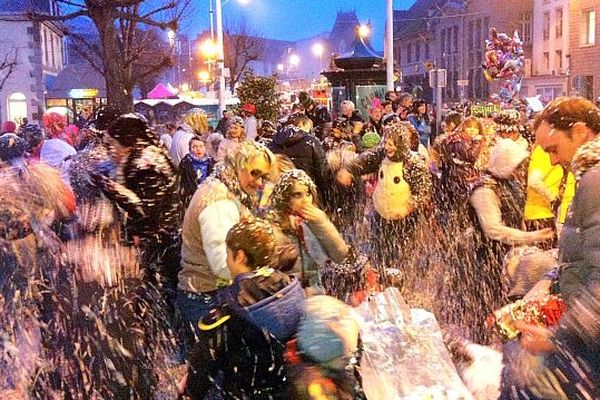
<point x="411" y="21"/>
<point x="342" y="33"/>
<point x="23" y="6"/>
<point x="77" y="76"/>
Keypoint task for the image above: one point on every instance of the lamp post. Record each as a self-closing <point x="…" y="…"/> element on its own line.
<point x="220" y="56"/>
<point x="389" y="47"/>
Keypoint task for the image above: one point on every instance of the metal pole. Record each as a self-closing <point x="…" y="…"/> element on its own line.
<point x="389" y="48"/>
<point x="211" y="13"/>
<point x="221" y="57"/>
<point x="438" y="110"/>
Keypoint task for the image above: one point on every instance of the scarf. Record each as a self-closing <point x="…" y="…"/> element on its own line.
<point x="586" y="157"/>
<point x="226" y="173"/>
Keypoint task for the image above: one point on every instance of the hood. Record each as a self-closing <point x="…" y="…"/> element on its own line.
<point x="587" y="157"/>
<point x="279" y="301"/>
<point x="288" y="136"/>
<point x="506" y="157"/>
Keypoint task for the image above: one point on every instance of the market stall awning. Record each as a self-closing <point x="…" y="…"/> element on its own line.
<point x="161" y="91"/>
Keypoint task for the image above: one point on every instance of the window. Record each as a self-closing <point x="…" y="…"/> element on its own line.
<point x="46" y="58"/>
<point x="417" y="51"/>
<point x="427" y="53"/>
<point x="525" y="22"/>
<point x="455" y="37"/>
<point x="471" y="38"/>
<point x="409" y="53"/>
<point x="52" y="49"/>
<point x="559" y="22"/>
<point x="558" y="61"/>
<point x="546" y="61"/>
<point x="17" y="107"/>
<point x="546" y="26"/>
<point x="443" y="42"/>
<point x="588" y="26"/>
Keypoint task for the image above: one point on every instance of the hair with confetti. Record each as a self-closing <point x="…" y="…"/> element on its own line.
<point x="564" y="112"/>
<point x="256" y="238"/>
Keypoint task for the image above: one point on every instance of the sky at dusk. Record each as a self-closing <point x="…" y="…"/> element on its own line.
<point x="295" y="19"/>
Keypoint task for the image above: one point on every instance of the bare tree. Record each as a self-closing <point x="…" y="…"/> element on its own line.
<point x="241" y="47"/>
<point x="8" y="63"/>
<point x="129" y="49"/>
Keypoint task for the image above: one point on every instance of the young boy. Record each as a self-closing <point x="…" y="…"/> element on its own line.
<point x="239" y="353"/>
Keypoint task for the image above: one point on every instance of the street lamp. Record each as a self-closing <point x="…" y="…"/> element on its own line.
<point x="364" y="31"/>
<point x="318" y="50"/>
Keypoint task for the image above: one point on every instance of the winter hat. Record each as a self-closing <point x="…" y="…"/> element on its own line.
<point x="328" y="331"/>
<point x="11" y="146"/>
<point x="249" y="108"/>
<point x="105" y="116"/>
<point x="370" y="140"/>
<point x="506" y="157"/>
<point x="9" y="127"/>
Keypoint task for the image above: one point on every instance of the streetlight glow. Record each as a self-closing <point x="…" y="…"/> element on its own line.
<point x="294" y="60"/>
<point x="318" y="49"/>
<point x="204" y="76"/>
<point x="280" y="67"/>
<point x="208" y="48"/>
<point x="364" y="31"/>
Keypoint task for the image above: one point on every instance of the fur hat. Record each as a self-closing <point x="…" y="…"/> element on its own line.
<point x="506" y="157"/>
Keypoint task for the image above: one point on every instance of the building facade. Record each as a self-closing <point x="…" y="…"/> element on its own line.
<point x="584" y="37"/>
<point x="451" y="34"/>
<point x="39" y="51"/>
<point x="550" y="58"/>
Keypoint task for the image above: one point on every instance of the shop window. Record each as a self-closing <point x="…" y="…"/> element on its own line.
<point x="17" y="107"/>
<point x="588" y="34"/>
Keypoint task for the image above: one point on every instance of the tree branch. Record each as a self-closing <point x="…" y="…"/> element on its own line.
<point x="70" y="3"/>
<point x="9" y="63"/>
<point x="45" y="17"/>
<point x="166" y="7"/>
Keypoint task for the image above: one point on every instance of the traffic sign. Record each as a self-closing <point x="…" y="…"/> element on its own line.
<point x="437" y="78"/>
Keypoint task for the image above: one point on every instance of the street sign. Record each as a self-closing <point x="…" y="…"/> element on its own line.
<point x="437" y="78"/>
<point x="462" y="82"/>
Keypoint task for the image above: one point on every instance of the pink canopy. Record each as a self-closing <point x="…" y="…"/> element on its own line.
<point x="160" y="91"/>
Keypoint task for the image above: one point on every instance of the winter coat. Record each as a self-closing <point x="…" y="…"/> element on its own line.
<point x="247" y="347"/>
<point x="250" y="128"/>
<point x="304" y="150"/>
<point x="316" y="243"/>
<point x="579" y="242"/>
<point x="543" y="185"/>
<point x="421" y="124"/>
<point x="213" y="210"/>
<point x="192" y="172"/>
<point x="180" y="145"/>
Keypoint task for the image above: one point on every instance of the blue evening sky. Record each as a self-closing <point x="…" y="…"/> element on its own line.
<point x="295" y="19"/>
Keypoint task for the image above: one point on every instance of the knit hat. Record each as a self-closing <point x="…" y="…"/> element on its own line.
<point x="506" y="157"/>
<point x="370" y="140"/>
<point x="328" y="331"/>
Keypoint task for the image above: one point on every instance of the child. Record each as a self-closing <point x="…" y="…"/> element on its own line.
<point x="241" y="345"/>
<point x="194" y="168"/>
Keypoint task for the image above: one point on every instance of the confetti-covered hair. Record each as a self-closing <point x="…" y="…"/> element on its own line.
<point x="399" y="133"/>
<point x="282" y="191"/>
<point x="564" y="112"/>
<point x="197" y="120"/>
<point x="54" y="124"/>
<point x="256" y="238"/>
<point x="507" y="121"/>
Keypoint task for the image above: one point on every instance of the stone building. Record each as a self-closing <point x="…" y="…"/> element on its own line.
<point x="450" y="34"/>
<point x="584" y="52"/>
<point x="550" y="60"/>
<point x="39" y="50"/>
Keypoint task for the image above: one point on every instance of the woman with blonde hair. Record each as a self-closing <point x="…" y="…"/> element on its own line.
<point x="195" y="123"/>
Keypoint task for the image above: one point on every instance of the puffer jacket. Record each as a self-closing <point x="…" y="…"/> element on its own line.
<point x="579" y="242"/>
<point x="304" y="150"/>
<point x="213" y="210"/>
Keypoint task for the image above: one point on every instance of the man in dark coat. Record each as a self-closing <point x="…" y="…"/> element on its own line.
<point x="301" y="147"/>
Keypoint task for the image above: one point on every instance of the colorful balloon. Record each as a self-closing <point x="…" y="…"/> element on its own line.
<point x="504" y="60"/>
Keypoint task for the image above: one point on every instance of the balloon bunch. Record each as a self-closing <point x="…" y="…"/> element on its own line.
<point x="504" y="60"/>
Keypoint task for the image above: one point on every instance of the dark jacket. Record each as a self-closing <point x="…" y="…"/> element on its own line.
<point x="304" y="150"/>
<point x="192" y="173"/>
<point x="240" y="354"/>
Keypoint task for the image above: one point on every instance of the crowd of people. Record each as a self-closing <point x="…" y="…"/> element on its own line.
<point x="224" y="263"/>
